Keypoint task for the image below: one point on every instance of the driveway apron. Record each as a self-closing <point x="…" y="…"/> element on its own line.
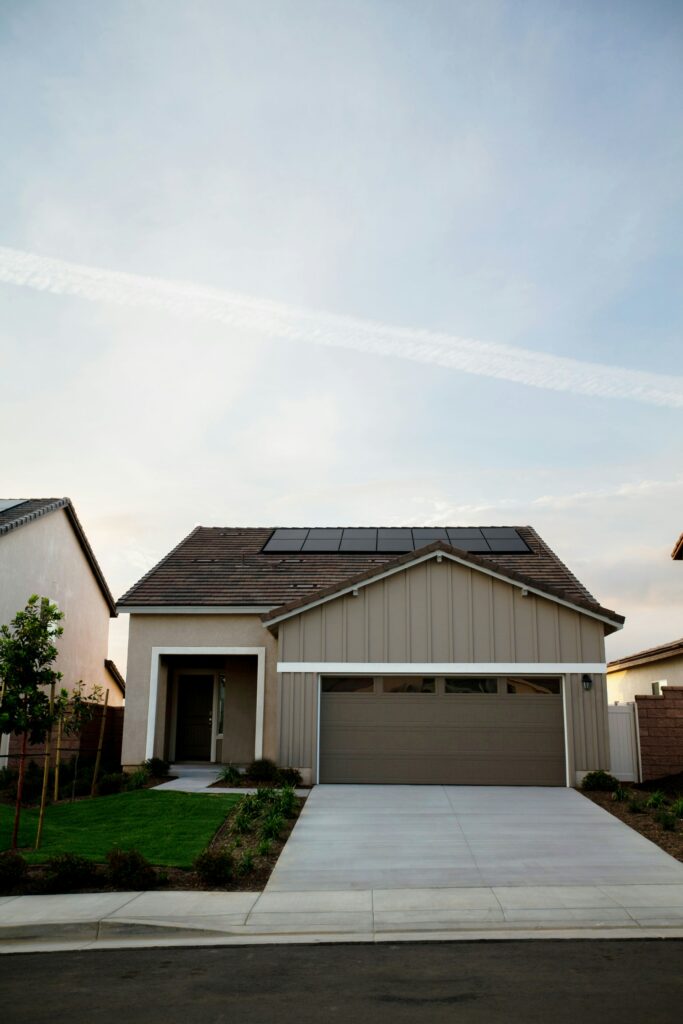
<point x="421" y="837"/>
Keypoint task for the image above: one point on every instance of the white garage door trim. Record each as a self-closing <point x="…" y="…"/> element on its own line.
<point x="356" y="668"/>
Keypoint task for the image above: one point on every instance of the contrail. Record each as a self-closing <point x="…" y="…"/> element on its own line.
<point x="274" y="320"/>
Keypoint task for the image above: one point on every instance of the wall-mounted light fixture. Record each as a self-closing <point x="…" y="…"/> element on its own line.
<point x="587" y="682"/>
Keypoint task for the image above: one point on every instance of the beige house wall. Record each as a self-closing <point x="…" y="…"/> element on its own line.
<point x="625" y="684"/>
<point x="443" y="613"/>
<point x="44" y="557"/>
<point x="189" y="631"/>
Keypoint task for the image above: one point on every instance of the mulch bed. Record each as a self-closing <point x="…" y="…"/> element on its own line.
<point x="645" y="822"/>
<point x="245" y="783"/>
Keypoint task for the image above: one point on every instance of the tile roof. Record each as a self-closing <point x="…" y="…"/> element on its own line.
<point x="30" y="509"/>
<point x="669" y="650"/>
<point x="226" y="566"/>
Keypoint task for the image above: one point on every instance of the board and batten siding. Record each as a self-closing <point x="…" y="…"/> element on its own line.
<point x="443" y="613"/>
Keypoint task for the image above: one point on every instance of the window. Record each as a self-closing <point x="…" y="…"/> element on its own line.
<point x="348" y="684"/>
<point x="409" y="684"/>
<point x="460" y="684"/>
<point x="533" y="685"/>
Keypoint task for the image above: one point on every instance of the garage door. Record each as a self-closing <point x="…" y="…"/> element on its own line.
<point x="442" y="730"/>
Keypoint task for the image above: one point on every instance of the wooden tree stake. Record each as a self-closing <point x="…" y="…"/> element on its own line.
<point x="93" y="788"/>
<point x="46" y="771"/>
<point x="58" y="758"/>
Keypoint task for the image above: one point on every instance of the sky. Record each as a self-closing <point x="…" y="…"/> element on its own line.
<point x="338" y="263"/>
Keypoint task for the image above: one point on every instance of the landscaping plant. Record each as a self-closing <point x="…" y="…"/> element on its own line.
<point x="157" y="767"/>
<point x="214" y="867"/>
<point x="128" y="869"/>
<point x="68" y="872"/>
<point x="656" y="799"/>
<point x="230" y="774"/>
<point x="677" y="807"/>
<point x="666" y="819"/>
<point x="599" y="781"/>
<point x="13" y="870"/>
<point x="262" y="770"/>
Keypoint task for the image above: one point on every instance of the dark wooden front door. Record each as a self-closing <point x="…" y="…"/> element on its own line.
<point x="195" y="706"/>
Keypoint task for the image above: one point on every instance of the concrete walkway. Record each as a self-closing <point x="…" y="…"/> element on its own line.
<point x="199" y="778"/>
<point x="119" y="920"/>
<point x="421" y="837"/>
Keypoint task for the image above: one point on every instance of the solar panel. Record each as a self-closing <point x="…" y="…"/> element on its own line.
<point x="390" y="538"/>
<point x="286" y="540"/>
<point x="359" y="539"/>
<point x="508" y="545"/>
<point x="8" y="503"/>
<point x="423" y="535"/>
<point x="323" y="539"/>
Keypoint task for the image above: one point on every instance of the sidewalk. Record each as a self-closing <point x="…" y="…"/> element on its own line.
<point x="119" y="920"/>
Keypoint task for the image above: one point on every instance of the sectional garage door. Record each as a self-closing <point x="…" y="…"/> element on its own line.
<point x="495" y="732"/>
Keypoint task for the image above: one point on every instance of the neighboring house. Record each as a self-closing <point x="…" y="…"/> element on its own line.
<point x="44" y="551"/>
<point x="449" y="655"/>
<point x="645" y="673"/>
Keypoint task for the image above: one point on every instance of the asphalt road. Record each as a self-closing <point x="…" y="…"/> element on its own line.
<point x="459" y="982"/>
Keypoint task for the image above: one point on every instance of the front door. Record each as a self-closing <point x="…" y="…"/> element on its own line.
<point x="195" y="707"/>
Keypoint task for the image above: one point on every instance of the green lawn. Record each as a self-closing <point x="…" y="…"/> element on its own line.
<point x="167" y="828"/>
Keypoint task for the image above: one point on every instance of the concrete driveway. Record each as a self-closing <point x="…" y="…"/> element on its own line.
<point x="422" y="837"/>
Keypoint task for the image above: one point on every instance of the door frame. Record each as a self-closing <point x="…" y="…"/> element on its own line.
<point x="172" y="739"/>
<point x="152" y="704"/>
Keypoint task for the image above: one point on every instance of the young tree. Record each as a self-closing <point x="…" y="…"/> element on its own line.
<point x="29" y="706"/>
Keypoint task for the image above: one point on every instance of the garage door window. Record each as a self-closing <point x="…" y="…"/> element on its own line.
<point x="463" y="685"/>
<point x="348" y="684"/>
<point x="409" y="684"/>
<point x="533" y="686"/>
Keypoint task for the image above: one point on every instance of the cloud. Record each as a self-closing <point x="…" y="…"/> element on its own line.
<point x="275" y="320"/>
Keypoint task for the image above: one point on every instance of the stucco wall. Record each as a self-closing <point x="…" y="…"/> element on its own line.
<point x="441" y="612"/>
<point x="623" y="686"/>
<point x="45" y="558"/>
<point x="148" y="631"/>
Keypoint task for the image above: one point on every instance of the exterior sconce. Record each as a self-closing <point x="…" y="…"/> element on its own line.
<point x="587" y="682"/>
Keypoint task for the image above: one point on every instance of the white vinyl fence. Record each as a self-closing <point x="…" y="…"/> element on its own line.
<point x="623" y="742"/>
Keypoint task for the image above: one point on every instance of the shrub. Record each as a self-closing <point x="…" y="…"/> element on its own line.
<point x="635" y="805"/>
<point x="68" y="872"/>
<point x="285" y="801"/>
<point x="272" y="826"/>
<point x="230" y="774"/>
<point x="214" y="867"/>
<point x="264" y="847"/>
<point x="245" y="864"/>
<point x="13" y="870"/>
<point x="289" y="777"/>
<point x="599" y="781"/>
<point x="667" y="820"/>
<point x="677" y="807"/>
<point x="243" y="822"/>
<point x="656" y="800"/>
<point x="128" y="869"/>
<point x="264" y="796"/>
<point x="137" y="779"/>
<point x="250" y="806"/>
<point x="112" y="783"/>
<point x="620" y="794"/>
<point x="157" y="767"/>
<point x="262" y="770"/>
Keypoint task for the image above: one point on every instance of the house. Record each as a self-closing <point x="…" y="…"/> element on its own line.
<point x="44" y="550"/>
<point x="645" y="673"/>
<point x="413" y="655"/>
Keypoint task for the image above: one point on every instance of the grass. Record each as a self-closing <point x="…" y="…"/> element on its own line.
<point x="168" y="828"/>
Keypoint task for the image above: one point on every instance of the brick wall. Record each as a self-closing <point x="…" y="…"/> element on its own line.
<point x="660" y="724"/>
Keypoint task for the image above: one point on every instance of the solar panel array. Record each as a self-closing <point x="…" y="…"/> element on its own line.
<point x="395" y="540"/>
